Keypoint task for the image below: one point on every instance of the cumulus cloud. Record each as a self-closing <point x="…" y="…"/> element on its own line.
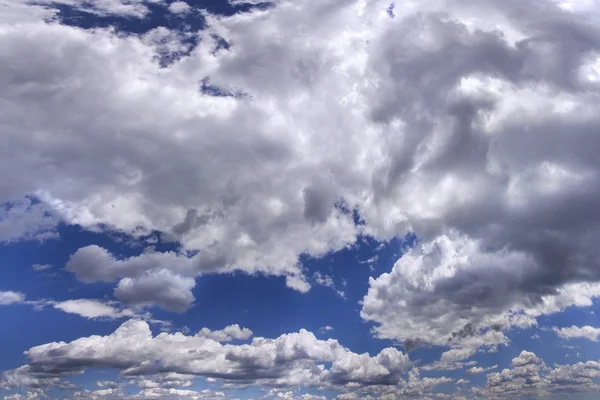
<point x="586" y="332"/>
<point x="150" y="393"/>
<point x="529" y="376"/>
<point x="469" y="124"/>
<point x="10" y="297"/>
<point x="294" y="359"/>
<point x="179" y="7"/>
<point x="163" y="288"/>
<point x="229" y="333"/>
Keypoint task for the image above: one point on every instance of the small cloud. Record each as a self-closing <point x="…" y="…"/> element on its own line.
<point x="179" y="7"/>
<point x="92" y="309"/>
<point x="370" y="260"/>
<point x="228" y="334"/>
<point x="326" y="328"/>
<point x="9" y="297"/>
<point x="327" y="281"/>
<point x="41" y="267"/>
<point x="479" y="370"/>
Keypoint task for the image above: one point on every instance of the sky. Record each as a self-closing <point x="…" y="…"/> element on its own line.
<point x="299" y="200"/>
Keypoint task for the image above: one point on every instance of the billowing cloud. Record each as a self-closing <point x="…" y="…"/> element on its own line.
<point x="529" y="376"/>
<point x="163" y="288"/>
<point x="294" y="359"/>
<point x="470" y="124"/>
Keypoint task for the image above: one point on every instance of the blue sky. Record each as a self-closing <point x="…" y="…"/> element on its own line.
<point x="299" y="200"/>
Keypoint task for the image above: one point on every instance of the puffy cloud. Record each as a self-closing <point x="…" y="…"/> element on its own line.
<point x="229" y="333"/>
<point x="10" y="297"/>
<point x="163" y="288"/>
<point x="530" y="377"/>
<point x="295" y="359"/>
<point x="430" y="285"/>
<point x="522" y="379"/>
<point x="413" y="387"/>
<point x="572" y="332"/>
<point x="179" y="7"/>
<point x="150" y="393"/>
<point x="470" y="124"/>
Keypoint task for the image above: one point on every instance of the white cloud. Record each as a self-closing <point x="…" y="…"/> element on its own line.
<point x="480" y="370"/>
<point x="294" y="359"/>
<point x="10" y="297"/>
<point x="179" y="7"/>
<point x="586" y="332"/>
<point x="88" y="308"/>
<point x="41" y="267"/>
<point x="489" y="157"/>
<point x="321" y="279"/>
<point x="530" y="377"/>
<point x="229" y="333"/>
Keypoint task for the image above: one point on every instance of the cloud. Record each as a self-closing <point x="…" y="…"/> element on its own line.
<point x="294" y="359"/>
<point x="179" y="7"/>
<point x="163" y="288"/>
<point x="529" y="376"/>
<point x="321" y="279"/>
<point x="41" y="267"/>
<point x="326" y="328"/>
<point x="586" y="332"/>
<point x="480" y="370"/>
<point x="92" y="309"/>
<point x="27" y="220"/>
<point x="229" y="333"/>
<point x="86" y="308"/>
<point x="10" y="297"/>
<point x="435" y="280"/>
<point x="471" y="125"/>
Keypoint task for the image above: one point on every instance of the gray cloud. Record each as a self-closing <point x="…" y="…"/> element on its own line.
<point x="163" y="288"/>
